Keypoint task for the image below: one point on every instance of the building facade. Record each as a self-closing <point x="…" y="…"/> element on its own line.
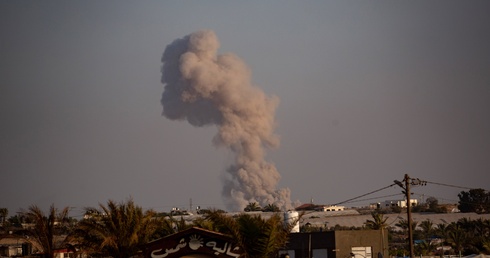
<point x="388" y="204"/>
<point x="193" y="243"/>
<point x="337" y="244"/>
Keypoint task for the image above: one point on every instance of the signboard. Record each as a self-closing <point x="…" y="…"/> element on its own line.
<point x="193" y="241"/>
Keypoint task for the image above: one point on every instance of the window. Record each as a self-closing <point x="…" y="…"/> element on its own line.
<point x="361" y="252"/>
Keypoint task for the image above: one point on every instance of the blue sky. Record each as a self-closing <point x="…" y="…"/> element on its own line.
<point x="369" y="91"/>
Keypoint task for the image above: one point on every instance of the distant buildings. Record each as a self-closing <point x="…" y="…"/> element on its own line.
<point x="389" y="204"/>
<point x="12" y="245"/>
<point x="316" y="207"/>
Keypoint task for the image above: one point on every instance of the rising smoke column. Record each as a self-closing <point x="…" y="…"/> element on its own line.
<point x="209" y="89"/>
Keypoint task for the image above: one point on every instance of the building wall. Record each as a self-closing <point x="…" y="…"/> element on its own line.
<point x="303" y="245"/>
<point x="336" y="244"/>
<point x="10" y="251"/>
<point x="332" y="208"/>
<point x="400" y="203"/>
<point x="347" y="239"/>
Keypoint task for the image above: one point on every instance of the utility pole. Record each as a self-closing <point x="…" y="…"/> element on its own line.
<point x="409" y="213"/>
<point x="406" y="190"/>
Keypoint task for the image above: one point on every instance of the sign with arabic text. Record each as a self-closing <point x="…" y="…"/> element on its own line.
<point x="193" y="241"/>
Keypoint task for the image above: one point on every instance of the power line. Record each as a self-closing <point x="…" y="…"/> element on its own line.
<point x="364" y="194"/>
<point x="394" y="220"/>
<point x="436" y="197"/>
<point x="375" y="198"/>
<point x="448" y="185"/>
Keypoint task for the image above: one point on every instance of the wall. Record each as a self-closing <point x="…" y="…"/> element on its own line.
<point x="376" y="239"/>
<point x="337" y="244"/>
<point x="305" y="244"/>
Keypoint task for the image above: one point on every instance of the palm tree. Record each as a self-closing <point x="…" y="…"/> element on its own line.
<point x="257" y="237"/>
<point x="116" y="229"/>
<point x="252" y="206"/>
<point x="476" y="233"/>
<point x="442" y="230"/>
<point x="167" y="226"/>
<point x="45" y="228"/>
<point x="486" y="246"/>
<point x="378" y="221"/>
<point x="271" y="208"/>
<point x="203" y="223"/>
<point x="403" y="224"/>
<point x="481" y="227"/>
<point x="457" y="237"/>
<point x="424" y="248"/>
<point x="484" y="225"/>
<point x="427" y="228"/>
<point x="3" y="215"/>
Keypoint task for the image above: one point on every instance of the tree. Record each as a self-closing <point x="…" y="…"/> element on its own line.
<point x="378" y="221"/>
<point x="475" y="200"/>
<point x="16" y="220"/>
<point x="396" y="209"/>
<point x="466" y="235"/>
<point x="442" y="229"/>
<point x="433" y="204"/>
<point x="257" y="237"/>
<point x="271" y="208"/>
<point x="427" y="228"/>
<point x="4" y="212"/>
<point x="424" y="248"/>
<point x="46" y="228"/>
<point x="403" y="224"/>
<point x="457" y="237"/>
<point x="167" y="226"/>
<point x="486" y="245"/>
<point x="115" y="230"/>
<point x="252" y="206"/>
<point x="476" y="232"/>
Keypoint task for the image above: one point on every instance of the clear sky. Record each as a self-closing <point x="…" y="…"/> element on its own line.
<point x="368" y="91"/>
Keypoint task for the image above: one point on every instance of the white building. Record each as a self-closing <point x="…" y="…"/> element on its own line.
<point x="388" y="204"/>
<point x="331" y="208"/>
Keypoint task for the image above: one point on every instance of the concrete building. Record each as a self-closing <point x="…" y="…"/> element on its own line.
<point x="14" y="245"/>
<point x="331" y="208"/>
<point x="337" y="244"/>
<point x="319" y="207"/>
<point x="388" y="204"/>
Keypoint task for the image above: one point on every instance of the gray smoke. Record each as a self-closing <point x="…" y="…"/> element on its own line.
<point x="209" y="89"/>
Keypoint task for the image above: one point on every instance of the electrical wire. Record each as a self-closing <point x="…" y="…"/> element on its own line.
<point x="448" y="185"/>
<point x="351" y="199"/>
<point x="395" y="219"/>
<point x="375" y="198"/>
<point x="436" y="197"/>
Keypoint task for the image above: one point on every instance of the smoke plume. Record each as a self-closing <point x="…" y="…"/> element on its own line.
<point x="209" y="89"/>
